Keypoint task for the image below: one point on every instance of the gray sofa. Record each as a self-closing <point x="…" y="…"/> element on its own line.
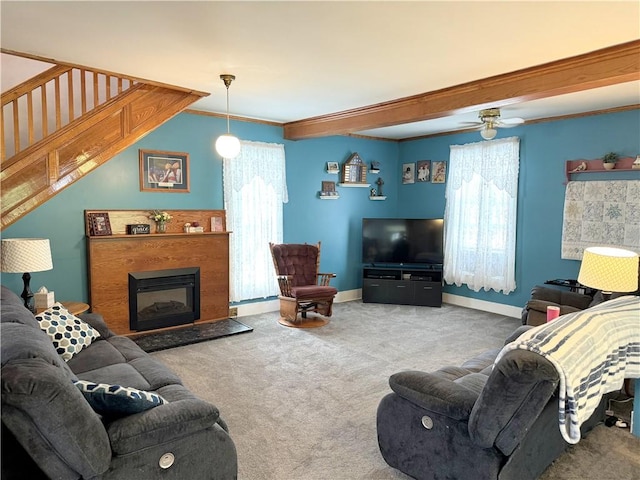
<point x="49" y="429"/>
<point x="476" y="421"/>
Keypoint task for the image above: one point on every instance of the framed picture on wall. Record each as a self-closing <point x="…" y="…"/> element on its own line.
<point x="408" y="173"/>
<point x="424" y="170"/>
<point x="164" y="171"/>
<point x="333" y="167"/>
<point x="439" y="172"/>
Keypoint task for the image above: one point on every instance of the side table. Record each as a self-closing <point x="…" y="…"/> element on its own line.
<point x="74" y="308"/>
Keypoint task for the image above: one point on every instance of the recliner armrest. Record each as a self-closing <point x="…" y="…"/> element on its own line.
<point x="162" y="424"/>
<point x="96" y="321"/>
<point x="434" y="393"/>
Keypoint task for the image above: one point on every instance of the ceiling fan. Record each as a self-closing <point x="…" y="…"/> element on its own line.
<point x="490" y="121"/>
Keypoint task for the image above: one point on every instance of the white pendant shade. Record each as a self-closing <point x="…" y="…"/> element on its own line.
<point x="228" y="146"/>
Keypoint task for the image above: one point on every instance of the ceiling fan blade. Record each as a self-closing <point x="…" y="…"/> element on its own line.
<point x="511" y="122"/>
<point x="472" y="124"/>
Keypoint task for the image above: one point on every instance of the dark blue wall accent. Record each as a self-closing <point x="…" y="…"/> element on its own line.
<point x="337" y="223"/>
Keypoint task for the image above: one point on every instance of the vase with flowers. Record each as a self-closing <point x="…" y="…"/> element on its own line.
<point x="161" y="218"/>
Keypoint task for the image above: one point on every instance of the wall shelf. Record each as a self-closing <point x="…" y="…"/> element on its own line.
<point x="354" y="184"/>
<point x="624" y="164"/>
<point x="328" y="197"/>
<point x="378" y="197"/>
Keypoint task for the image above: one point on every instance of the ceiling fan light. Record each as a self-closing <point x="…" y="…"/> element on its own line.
<point x="488" y="133"/>
<point x="228" y="146"/>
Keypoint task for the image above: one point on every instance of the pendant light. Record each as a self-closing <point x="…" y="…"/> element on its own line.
<point x="227" y="145"/>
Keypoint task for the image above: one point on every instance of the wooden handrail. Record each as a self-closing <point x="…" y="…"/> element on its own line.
<point x="24" y="112"/>
<point x="33" y="83"/>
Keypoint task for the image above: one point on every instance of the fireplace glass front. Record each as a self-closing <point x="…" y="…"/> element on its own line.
<point x="164" y="298"/>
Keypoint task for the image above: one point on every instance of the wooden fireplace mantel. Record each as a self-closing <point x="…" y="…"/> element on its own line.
<point x="112" y="257"/>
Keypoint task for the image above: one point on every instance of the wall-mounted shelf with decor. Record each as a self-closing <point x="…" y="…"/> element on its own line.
<point x="328" y="197"/>
<point x="578" y="167"/>
<point x="354" y="184"/>
<point x="378" y="197"/>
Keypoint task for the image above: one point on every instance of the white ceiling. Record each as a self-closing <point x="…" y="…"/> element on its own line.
<point x="295" y="60"/>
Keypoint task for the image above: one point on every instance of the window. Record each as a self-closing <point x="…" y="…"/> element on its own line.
<point x="480" y="215"/>
<point x="255" y="188"/>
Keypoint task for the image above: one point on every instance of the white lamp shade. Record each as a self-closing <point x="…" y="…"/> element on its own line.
<point x="228" y="146"/>
<point x="21" y="255"/>
<point x="609" y="269"/>
<point x="488" y="133"/>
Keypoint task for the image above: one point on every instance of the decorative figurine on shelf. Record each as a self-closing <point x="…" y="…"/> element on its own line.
<point x="374" y="192"/>
<point x="580" y="168"/>
<point x="636" y="163"/>
<point x="379" y="182"/>
<point x="161" y="219"/>
<point x="375" y="168"/>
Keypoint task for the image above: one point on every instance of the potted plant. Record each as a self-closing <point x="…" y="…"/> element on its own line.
<point x="609" y="160"/>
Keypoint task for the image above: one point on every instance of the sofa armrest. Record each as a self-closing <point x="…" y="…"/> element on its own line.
<point x="434" y="393"/>
<point x="96" y="321"/>
<point x="518" y="388"/>
<point x="161" y="425"/>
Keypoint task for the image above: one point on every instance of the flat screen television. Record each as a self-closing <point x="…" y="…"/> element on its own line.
<point x="412" y="241"/>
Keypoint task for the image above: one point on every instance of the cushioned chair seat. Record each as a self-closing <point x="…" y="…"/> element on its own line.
<point x="313" y="291"/>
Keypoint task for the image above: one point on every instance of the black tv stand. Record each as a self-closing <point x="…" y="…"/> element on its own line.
<point x="403" y="285"/>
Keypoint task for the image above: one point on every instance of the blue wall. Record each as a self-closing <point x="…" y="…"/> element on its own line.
<point x="544" y="149"/>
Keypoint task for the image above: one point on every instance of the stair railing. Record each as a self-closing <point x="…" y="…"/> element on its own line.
<point x="51" y="100"/>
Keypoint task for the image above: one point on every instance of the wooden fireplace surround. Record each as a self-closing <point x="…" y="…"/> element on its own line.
<point x="112" y="257"/>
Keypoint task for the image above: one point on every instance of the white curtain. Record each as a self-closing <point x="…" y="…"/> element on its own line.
<point x="255" y="187"/>
<point x="480" y="215"/>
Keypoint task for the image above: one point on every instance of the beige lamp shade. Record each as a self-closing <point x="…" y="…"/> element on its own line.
<point x="609" y="269"/>
<point x="21" y="255"/>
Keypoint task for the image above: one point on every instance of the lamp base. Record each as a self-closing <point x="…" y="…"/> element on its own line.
<point x="27" y="294"/>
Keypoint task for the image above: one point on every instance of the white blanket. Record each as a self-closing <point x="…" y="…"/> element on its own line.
<point x="594" y="350"/>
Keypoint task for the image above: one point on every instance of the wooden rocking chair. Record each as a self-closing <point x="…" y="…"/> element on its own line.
<point x="302" y="288"/>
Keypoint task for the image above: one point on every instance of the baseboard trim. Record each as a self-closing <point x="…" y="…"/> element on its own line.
<point x="492" y="307"/>
<point x="267" y="306"/>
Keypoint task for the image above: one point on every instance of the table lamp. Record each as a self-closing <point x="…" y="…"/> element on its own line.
<point x="26" y="255"/>
<point x="609" y="269"/>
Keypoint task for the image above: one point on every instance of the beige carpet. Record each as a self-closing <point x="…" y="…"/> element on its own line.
<point x="301" y="403"/>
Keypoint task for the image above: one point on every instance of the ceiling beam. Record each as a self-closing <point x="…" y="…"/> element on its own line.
<point x="601" y="68"/>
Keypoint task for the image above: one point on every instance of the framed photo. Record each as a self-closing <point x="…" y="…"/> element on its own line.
<point x="333" y="167"/>
<point x="424" y="170"/>
<point x="216" y="224"/>
<point x="328" y="186"/>
<point x="164" y="171"/>
<point x="408" y="173"/>
<point x="439" y="172"/>
<point x="99" y="224"/>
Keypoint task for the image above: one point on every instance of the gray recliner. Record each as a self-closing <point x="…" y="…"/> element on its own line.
<point x="476" y="421"/>
<point x="535" y="311"/>
<point x="49" y="429"/>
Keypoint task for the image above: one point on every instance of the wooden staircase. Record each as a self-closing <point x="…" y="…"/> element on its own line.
<point x="63" y="123"/>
